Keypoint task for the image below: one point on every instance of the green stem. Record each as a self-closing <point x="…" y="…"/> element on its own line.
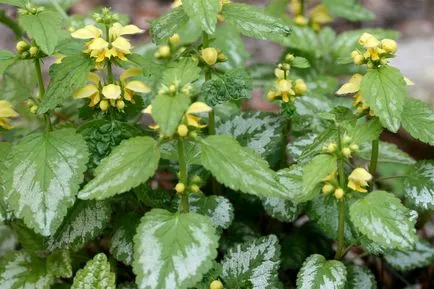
<point x="391" y="178"/>
<point x="41" y="87"/>
<point x="374" y="157"/>
<point x="109" y="64"/>
<point x="59" y="9"/>
<point x="286" y="131"/>
<point x="341" y="224"/>
<point x="11" y="24"/>
<point x="183" y="177"/>
<point x="302" y="7"/>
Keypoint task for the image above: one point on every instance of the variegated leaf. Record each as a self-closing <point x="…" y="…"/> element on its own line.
<point x="218" y="208"/>
<point x="419" y="185"/>
<point x="95" y="275"/>
<point x="360" y="278"/>
<point x="422" y="255"/>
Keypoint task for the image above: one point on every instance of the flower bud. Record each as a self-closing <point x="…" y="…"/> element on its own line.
<point x="33" y="50"/>
<point x="279" y="73"/>
<point x="103" y="105"/>
<point x="196" y="179"/>
<point x="358" y="59"/>
<point x="33" y="109"/>
<point x="271" y="95"/>
<point x="180" y="187"/>
<point x="327" y="189"/>
<point x="354" y="147"/>
<point x="289" y="57"/>
<point x="300" y="20"/>
<point x="300" y="87"/>
<point x="21" y="46"/>
<point x="216" y="284"/>
<point x="389" y="45"/>
<point x="339" y="193"/>
<point x="331" y="148"/>
<point x="174" y="39"/>
<point x="209" y="55"/>
<point x="193" y="134"/>
<point x="194" y="188"/>
<point x="120" y="104"/>
<point x="172" y="88"/>
<point x="346" y="151"/>
<point x="182" y="130"/>
<point x="222" y="57"/>
<point x="164" y="51"/>
<point x="346" y="139"/>
<point x="286" y="66"/>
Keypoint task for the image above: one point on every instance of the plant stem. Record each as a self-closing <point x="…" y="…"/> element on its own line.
<point x="391" y="178"/>
<point x="341" y="172"/>
<point x="302" y="7"/>
<point x="374" y="157"/>
<point x="286" y="130"/>
<point x="183" y="177"/>
<point x="41" y="87"/>
<point x="11" y="24"/>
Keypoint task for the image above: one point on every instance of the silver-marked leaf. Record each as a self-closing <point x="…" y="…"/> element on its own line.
<point x="5" y="211"/>
<point x="44" y="175"/>
<point x="203" y="12"/>
<point x="422" y="255"/>
<point x="388" y="153"/>
<point x="8" y="240"/>
<point x="253" y="264"/>
<point x="20" y="270"/>
<point x="281" y="209"/>
<point x="84" y="222"/>
<point x="30" y="241"/>
<point x="381" y="217"/>
<point x="218" y="208"/>
<point x="168" y="110"/>
<point x="296" y="147"/>
<point x="254" y="22"/>
<point x="95" y="275"/>
<point x="292" y="180"/>
<point x="315" y="171"/>
<point x="44" y="28"/>
<point x="318" y="273"/>
<point x="130" y="164"/>
<point x="317" y="145"/>
<point x="173" y="251"/>
<point x="59" y="264"/>
<point x="260" y="131"/>
<point x="418" y="120"/>
<point x="419" y="185"/>
<point x="385" y="90"/>
<point x="239" y="168"/>
<point x="360" y="278"/>
<point x="121" y="244"/>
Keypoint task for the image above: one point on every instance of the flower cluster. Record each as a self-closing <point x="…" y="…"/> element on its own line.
<point x="348" y="147"/>
<point x="190" y="122"/>
<point x="114" y="45"/>
<point x="376" y="52"/>
<point x="166" y="50"/>
<point x="353" y="86"/>
<point x="211" y="55"/>
<point x="319" y="15"/>
<point x="285" y="88"/>
<point x="6" y="112"/>
<point x="27" y="51"/>
<point x="112" y="94"/>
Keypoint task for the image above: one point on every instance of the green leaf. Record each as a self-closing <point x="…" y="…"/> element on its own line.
<point x="365" y="132"/>
<point x="388" y="153"/>
<point x="84" y="222"/>
<point x="383" y="219"/>
<point x="44" y="28"/>
<point x="217" y="208"/>
<point x="239" y="168"/>
<point x="418" y="120"/>
<point x="168" y="110"/>
<point x="181" y="73"/>
<point x="20" y="270"/>
<point x="281" y="209"/>
<point x="422" y="255"/>
<point x="8" y="240"/>
<point x="121" y="244"/>
<point x="300" y="62"/>
<point x="234" y="85"/>
<point x="5" y="211"/>
<point x="324" y="211"/>
<point x="419" y="185"/>
<point x="30" y="241"/>
<point x="260" y="131"/>
<point x="167" y="25"/>
<point x="360" y="278"/>
<point x="315" y="171"/>
<point x="130" y="164"/>
<point x="19" y="81"/>
<point x="203" y="12"/>
<point x="385" y="91"/>
<point x="255" y="22"/>
<point x="302" y="38"/>
<point x="6" y="59"/>
<point x="169" y="151"/>
<point x="348" y="9"/>
<point x="96" y="275"/>
<point x="44" y="176"/>
<point x="292" y="180"/>
<point x="173" y="250"/>
<point x="318" y="273"/>
<point x="253" y="264"/>
<point x="60" y="264"/>
<point x="18" y="3"/>
<point x="276" y="8"/>
<point x="229" y="41"/>
<point x="66" y="77"/>
<point x="213" y="274"/>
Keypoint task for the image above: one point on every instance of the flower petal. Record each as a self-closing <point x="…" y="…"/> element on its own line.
<point x="131" y="29"/>
<point x="122" y="44"/>
<point x="198" y="107"/>
<point x="147" y="110"/>
<point x="88" y="32"/>
<point x="352" y="86"/>
<point x="98" y="44"/>
<point x="112" y="91"/>
<point x="86" y="91"/>
<point x="130" y="73"/>
<point x="6" y="109"/>
<point x="93" y="77"/>
<point x="138" y="86"/>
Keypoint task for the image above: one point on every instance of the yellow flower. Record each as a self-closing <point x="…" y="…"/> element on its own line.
<point x="216" y="284"/>
<point x="209" y="55"/>
<point x="148" y="110"/>
<point x="300" y="87"/>
<point x="300" y="20"/>
<point x="112" y="91"/>
<point x="195" y="108"/>
<point x="352" y="86"/>
<point x="389" y="45"/>
<point x="295" y="7"/>
<point x="121" y="46"/>
<point x="339" y="193"/>
<point x="368" y="40"/>
<point x="327" y="188"/>
<point x="176" y="3"/>
<point x="319" y="16"/>
<point x="358" y="179"/>
<point x="134" y="86"/>
<point x="6" y="111"/>
<point x="330" y="177"/>
<point x="90" y="90"/>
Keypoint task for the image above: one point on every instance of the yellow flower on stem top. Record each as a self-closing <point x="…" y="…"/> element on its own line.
<point x="115" y="46"/>
<point x="358" y="179"/>
<point x="353" y="86"/>
<point x="6" y="111"/>
<point x="320" y="16"/>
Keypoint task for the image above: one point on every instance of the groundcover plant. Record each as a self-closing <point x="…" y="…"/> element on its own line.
<point x="135" y="167"/>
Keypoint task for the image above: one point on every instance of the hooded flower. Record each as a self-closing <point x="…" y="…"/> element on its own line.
<point x="6" y="111"/>
<point x="358" y="179"/>
<point x="91" y="90"/>
<point x="133" y="86"/>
